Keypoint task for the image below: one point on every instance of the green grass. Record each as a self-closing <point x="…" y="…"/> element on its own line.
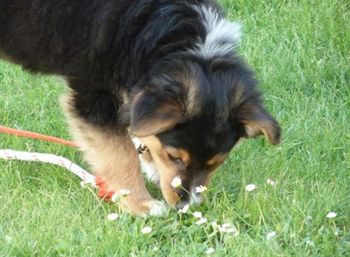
<point x="301" y="52"/>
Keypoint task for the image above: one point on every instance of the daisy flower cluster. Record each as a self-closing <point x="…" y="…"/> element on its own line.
<point x="223" y="229"/>
<point x="200" y="220"/>
<point x="216" y="228"/>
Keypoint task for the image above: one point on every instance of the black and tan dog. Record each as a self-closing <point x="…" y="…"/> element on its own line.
<point x="165" y="71"/>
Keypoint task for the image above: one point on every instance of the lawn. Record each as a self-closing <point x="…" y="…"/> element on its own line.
<point x="301" y="53"/>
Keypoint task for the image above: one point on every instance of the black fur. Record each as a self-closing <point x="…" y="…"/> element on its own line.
<point x="102" y="47"/>
<point x="115" y="51"/>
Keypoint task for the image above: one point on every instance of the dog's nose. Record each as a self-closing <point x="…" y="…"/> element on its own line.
<point x="183" y="199"/>
<point x="196" y="198"/>
<point x="186" y="198"/>
<point x="180" y="204"/>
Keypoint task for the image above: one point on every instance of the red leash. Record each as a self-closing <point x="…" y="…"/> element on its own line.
<point x="28" y="134"/>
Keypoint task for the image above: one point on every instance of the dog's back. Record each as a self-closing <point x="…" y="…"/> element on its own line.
<point x="48" y="36"/>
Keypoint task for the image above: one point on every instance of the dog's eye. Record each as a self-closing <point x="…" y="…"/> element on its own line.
<point x="177" y="156"/>
<point x="174" y="158"/>
<point x="173" y="155"/>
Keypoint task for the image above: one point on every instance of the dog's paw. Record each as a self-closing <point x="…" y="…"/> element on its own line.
<point x="157" y="208"/>
<point x="144" y="207"/>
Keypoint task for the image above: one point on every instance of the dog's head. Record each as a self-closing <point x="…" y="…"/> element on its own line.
<point x="191" y="112"/>
<point x="197" y="100"/>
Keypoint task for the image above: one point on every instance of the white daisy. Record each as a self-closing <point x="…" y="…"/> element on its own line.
<point x="331" y="215"/>
<point x="201" y="221"/>
<point x="232" y="230"/>
<point x="210" y="250"/>
<point x="184" y="209"/>
<point x="271" y="182"/>
<point x="229" y="229"/>
<point x="226" y="225"/>
<point x="214" y="224"/>
<point x="309" y="243"/>
<point x="155" y="249"/>
<point x="250" y="187"/>
<point x="197" y="214"/>
<point x="270" y="235"/>
<point x="146" y="230"/>
<point x="112" y="216"/>
<point x="200" y="189"/>
<point x="176" y="182"/>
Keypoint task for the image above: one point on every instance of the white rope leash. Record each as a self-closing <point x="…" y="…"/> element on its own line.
<point x="85" y="176"/>
<point x="49" y="158"/>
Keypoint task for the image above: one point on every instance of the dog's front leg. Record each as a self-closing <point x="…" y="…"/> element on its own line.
<point x="113" y="157"/>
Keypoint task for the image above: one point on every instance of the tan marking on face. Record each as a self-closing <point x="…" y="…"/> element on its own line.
<point x="185" y="156"/>
<point x="168" y="170"/>
<point x="178" y="153"/>
<point x="163" y="157"/>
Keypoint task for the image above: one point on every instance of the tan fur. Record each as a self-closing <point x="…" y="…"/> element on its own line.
<point x="188" y="79"/>
<point x="167" y="170"/>
<point x="164" y="117"/>
<point x="192" y="106"/>
<point x="262" y="127"/>
<point x="114" y="158"/>
<point x="216" y="160"/>
<point x="181" y="154"/>
<point x="185" y="156"/>
<point x="147" y="157"/>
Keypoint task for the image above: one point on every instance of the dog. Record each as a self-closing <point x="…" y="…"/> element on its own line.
<point x="164" y="71"/>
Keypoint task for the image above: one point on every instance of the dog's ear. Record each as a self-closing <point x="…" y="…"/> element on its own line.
<point x="153" y="113"/>
<point x="257" y="121"/>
